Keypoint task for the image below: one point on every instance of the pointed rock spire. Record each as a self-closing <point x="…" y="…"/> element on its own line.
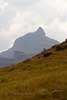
<point x="40" y="30"/>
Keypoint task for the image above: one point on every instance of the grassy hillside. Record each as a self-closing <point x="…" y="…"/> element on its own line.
<point x="44" y="77"/>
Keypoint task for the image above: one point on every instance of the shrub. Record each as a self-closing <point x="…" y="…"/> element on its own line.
<point x="58" y="47"/>
<point x="66" y="40"/>
<point x="54" y="46"/>
<point x="28" y="60"/>
<point x="47" y="54"/>
<point x="11" y="69"/>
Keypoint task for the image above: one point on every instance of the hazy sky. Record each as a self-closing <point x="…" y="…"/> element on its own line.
<point x="21" y="16"/>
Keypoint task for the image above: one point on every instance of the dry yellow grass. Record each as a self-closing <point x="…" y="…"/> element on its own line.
<point x="44" y="77"/>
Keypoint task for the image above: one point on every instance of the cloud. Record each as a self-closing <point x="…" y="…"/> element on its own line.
<point x="57" y="29"/>
<point x="3" y="5"/>
<point x="22" y="2"/>
<point x="18" y="17"/>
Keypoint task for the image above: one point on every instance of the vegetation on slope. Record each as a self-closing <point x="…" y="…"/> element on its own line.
<point x="44" y="77"/>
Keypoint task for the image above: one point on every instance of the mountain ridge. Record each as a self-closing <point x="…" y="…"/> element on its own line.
<point x="33" y="36"/>
<point x="31" y="44"/>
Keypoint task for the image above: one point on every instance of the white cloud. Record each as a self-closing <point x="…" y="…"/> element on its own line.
<point x="22" y="2"/>
<point x="3" y="5"/>
<point x="21" y="16"/>
<point x="57" y="29"/>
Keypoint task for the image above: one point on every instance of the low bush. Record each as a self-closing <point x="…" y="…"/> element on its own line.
<point x="46" y="54"/>
<point x="54" y="46"/>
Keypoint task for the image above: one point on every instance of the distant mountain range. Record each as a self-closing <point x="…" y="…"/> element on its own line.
<point x="27" y="46"/>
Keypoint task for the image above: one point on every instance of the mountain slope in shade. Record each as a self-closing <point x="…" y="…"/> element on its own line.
<point x="6" y="61"/>
<point x="32" y="43"/>
<point x="27" y="46"/>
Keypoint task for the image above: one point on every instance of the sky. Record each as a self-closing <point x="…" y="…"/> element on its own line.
<point x="18" y="17"/>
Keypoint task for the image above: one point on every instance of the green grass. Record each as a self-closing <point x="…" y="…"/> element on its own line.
<point x="39" y="78"/>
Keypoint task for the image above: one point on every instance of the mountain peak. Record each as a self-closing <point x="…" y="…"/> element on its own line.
<point x="40" y="30"/>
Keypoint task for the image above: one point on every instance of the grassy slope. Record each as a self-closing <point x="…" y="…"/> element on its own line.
<point x="39" y="78"/>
